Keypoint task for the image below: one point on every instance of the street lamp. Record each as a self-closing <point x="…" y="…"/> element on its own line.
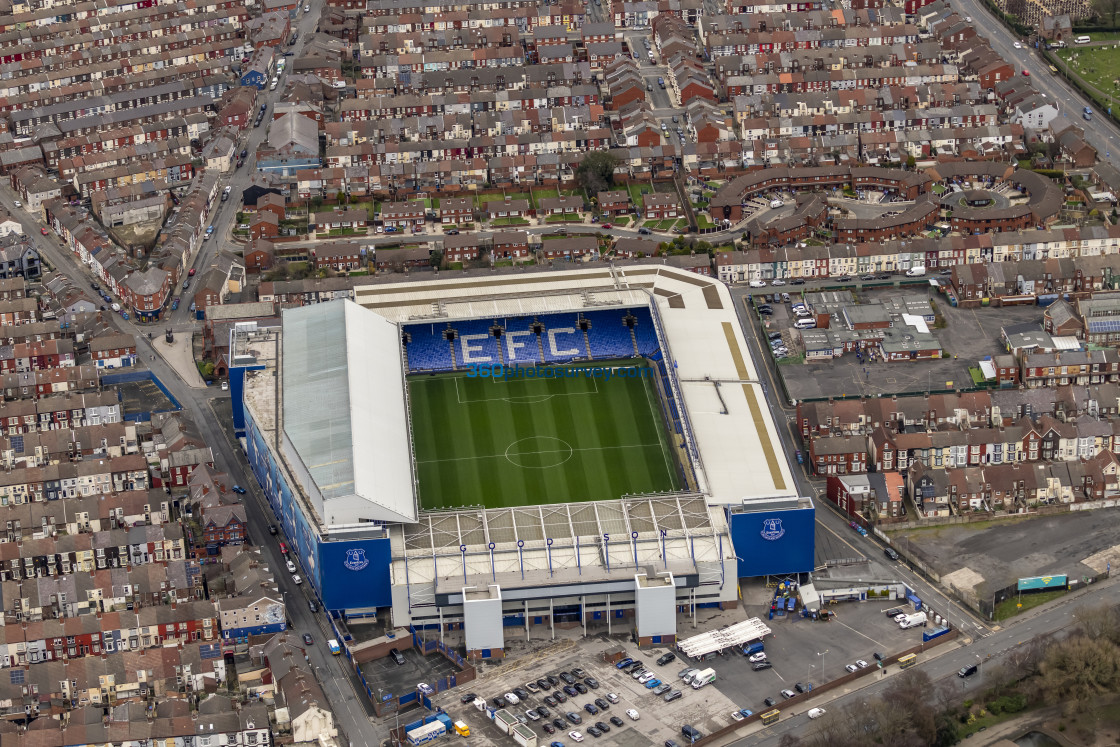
<point x="821" y="654"/>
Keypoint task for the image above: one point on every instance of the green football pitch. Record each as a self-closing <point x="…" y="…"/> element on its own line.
<point x="498" y="443"/>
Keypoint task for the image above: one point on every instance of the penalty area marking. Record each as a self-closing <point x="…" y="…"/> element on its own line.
<point x="526" y="399"/>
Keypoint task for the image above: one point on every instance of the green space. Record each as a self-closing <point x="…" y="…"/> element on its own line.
<point x="1097" y="66"/>
<point x="515" y="221"/>
<point x="431" y="203"/>
<point x="1010" y="607"/>
<point x="682" y="224"/>
<point x="544" y="193"/>
<point x="636" y="191"/>
<point x="527" y="441"/>
<point x="620" y="221"/>
<point x="703" y="222"/>
<point x="564" y="218"/>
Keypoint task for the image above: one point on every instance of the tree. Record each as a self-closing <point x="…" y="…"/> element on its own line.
<point x="1079" y="669"/>
<point x="595" y="172"/>
<point x="436" y="259"/>
<point x="1107" y="9"/>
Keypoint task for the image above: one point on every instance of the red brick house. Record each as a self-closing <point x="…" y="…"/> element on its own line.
<point x="145" y="292"/>
<point x="336" y="220"/>
<point x="661" y="206"/>
<point x="239" y="107"/>
<point x="402" y="215"/>
<point x="462" y="248"/>
<point x="259" y="255"/>
<point x="223" y="525"/>
<point x="507" y="208"/>
<point x="340" y="256"/>
<point x="265" y="225"/>
<point x="181" y="463"/>
<point x="456" y="210"/>
<point x="838" y="455"/>
<point x="272" y="203"/>
<point x="572" y="248"/>
<point x="511" y="245"/>
<point x="615" y="202"/>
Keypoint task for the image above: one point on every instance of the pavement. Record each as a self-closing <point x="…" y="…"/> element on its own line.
<point x="941" y="665"/>
<point x="179" y="355"/>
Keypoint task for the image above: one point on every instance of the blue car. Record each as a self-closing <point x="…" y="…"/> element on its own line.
<point x="239" y="490"/>
<point x="624" y="663"/>
<point x="652" y="683"/>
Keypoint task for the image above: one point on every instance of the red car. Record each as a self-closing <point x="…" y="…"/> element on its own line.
<point x="191" y="273"/>
<point x="606" y="225"/>
<point x="44" y="232"/>
<point x="1027" y="73"/>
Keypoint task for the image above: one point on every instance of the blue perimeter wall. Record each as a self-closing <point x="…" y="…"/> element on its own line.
<point x="346" y="575"/>
<point x="792" y="552"/>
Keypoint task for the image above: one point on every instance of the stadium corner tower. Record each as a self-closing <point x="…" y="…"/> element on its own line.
<point x="410" y="481"/>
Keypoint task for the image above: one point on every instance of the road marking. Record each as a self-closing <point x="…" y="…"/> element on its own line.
<point x="837" y="536"/>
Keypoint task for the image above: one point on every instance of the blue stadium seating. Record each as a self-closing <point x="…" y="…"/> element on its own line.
<point x="428" y="349"/>
<point x="609" y="337"/>
<point x="483" y="346"/>
<point x="645" y="333"/>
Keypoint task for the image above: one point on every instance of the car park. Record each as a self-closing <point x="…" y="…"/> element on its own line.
<point x="663" y="688"/>
<point x="559" y="723"/>
<point x="548" y="729"/>
<point x="575" y="736"/>
<point x="568" y="678"/>
<point x="666" y="658"/>
<point x="765" y="311"/>
<point x="650" y="684"/>
<point x="544" y="712"/>
<point x="773" y="336"/>
<point x="637" y="673"/>
<point x="759" y="666"/>
<point x="632" y="714"/>
<point x="532" y="715"/>
<point x="580" y="688"/>
<point x="573" y="717"/>
<point x="521" y="719"/>
<point x="499" y="702"/>
<point x="612" y="697"/>
<point x="877" y="656"/>
<point x="552" y="680"/>
<point x="602" y="704"/>
<point x="690" y="732"/>
<point x="397" y="657"/>
<point x="646" y="677"/>
<point x="602" y="726"/>
<point x="624" y="663"/>
<point x="617" y="721"/>
<point x="521" y="693"/>
<point x="787" y="693"/>
<point x="671" y="696"/>
<point x="550" y="700"/>
<point x="769" y="702"/>
<point x="532" y="687"/>
<point x="590" y="708"/>
<point x="571" y="691"/>
<point x="594" y="731"/>
<point x="591" y="682"/>
<point x="578" y="672"/>
<point x="803" y="687"/>
<point x="760" y="656"/>
<point x="511" y="698"/>
<point x="862" y="664"/>
<point x="559" y="697"/>
<point x="851" y="667"/>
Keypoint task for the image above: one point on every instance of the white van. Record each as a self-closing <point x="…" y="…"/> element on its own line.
<point x="703" y="678"/>
<point x="913" y="621"/>
<point x="1082" y="40"/>
<point x="776" y="204"/>
<point x="805" y="323"/>
<point x="915" y="272"/>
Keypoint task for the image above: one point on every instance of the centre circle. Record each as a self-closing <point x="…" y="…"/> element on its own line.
<point x="539" y="452"/>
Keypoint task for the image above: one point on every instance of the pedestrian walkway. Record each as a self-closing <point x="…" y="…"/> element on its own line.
<point x="180" y="356"/>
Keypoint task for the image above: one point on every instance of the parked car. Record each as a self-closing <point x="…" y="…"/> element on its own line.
<point x="760" y="656"/>
<point x="398" y="658"/>
<point x="601" y="704"/>
<point x="573" y="717"/>
<point x="571" y="691"/>
<point x="769" y="702"/>
<point x="532" y="687"/>
<point x="612" y="697"/>
<point x="297" y="579"/>
<point x="590" y="708"/>
<point x="272" y="529"/>
<point x="580" y="688"/>
<point x="602" y="726"/>
<point x="425" y="688"/>
<point x="666" y="658"/>
<point x="511" y="698"/>
<point x="671" y="696"/>
<point x="617" y="721"/>
<point x="650" y="684"/>
<point x="468" y="698"/>
<point x="758" y="283"/>
<point x="532" y="715"/>
<point x="803" y="687"/>
<point x="759" y="666"/>
<point x="816" y="712"/>
<point x="624" y="663"/>
<point x="543" y="684"/>
<point x="307" y="639"/>
<point x="851" y="667"/>
<point x="890" y="553"/>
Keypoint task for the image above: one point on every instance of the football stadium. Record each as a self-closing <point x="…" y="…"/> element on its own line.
<point x="542" y="448"/>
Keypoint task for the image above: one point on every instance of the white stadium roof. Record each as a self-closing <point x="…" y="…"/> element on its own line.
<point x="344" y="413"/>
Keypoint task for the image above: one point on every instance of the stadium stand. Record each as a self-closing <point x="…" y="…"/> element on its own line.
<point x="609" y="336"/>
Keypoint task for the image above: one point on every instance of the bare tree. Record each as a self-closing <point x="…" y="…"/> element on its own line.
<point x="1079" y="668"/>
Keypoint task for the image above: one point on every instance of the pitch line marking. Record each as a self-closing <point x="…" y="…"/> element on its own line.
<point x="546" y="451"/>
